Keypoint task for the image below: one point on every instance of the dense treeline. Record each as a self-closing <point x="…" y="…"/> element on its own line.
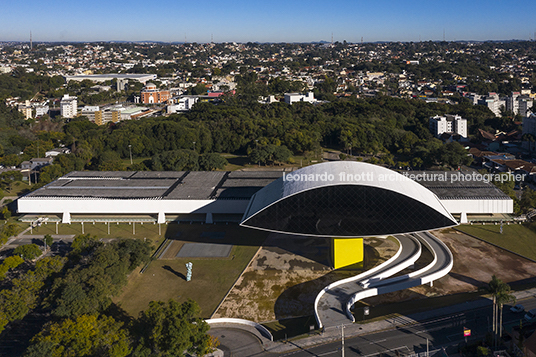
<point x="393" y="130"/>
<point x="75" y="292"/>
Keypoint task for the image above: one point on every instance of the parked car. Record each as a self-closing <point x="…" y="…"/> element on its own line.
<point x="531" y="315"/>
<point x="517" y="308"/>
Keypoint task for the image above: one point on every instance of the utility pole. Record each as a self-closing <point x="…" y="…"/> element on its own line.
<point x="130" y="152"/>
<point x="342" y="339"/>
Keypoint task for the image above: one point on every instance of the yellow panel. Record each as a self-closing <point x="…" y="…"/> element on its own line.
<point x="347" y="251"/>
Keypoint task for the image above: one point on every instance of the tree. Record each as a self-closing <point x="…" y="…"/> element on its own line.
<point x="27" y="251"/>
<point x="9" y="263"/>
<point x="169" y="329"/>
<point x="87" y="335"/>
<point x="6" y="213"/>
<point x="47" y="239"/>
<point x="501" y="294"/>
<point x="211" y="161"/>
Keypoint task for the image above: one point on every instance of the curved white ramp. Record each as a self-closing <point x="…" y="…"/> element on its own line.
<point x="439" y="267"/>
<point x="330" y="303"/>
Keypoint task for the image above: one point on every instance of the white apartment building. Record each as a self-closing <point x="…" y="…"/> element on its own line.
<point x="519" y="104"/>
<point x="41" y="109"/>
<point x="69" y="106"/>
<point x="182" y="104"/>
<point x="529" y="127"/>
<point x="450" y="124"/>
<point x="291" y="98"/>
<point x="493" y="102"/>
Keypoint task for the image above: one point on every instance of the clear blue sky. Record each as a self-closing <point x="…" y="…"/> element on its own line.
<point x="267" y="21"/>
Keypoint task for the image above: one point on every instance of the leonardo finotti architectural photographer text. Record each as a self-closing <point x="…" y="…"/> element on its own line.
<point x="429" y="177"/>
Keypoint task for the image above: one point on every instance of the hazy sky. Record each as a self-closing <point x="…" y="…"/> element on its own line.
<point x="267" y="21"/>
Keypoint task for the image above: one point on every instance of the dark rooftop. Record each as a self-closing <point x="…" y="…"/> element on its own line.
<point x="193" y="185"/>
<point x="232" y="185"/>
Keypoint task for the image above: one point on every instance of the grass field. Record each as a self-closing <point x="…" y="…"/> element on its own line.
<point x="17" y="188"/>
<point x="515" y="237"/>
<point x="211" y="279"/>
<point x="122" y="230"/>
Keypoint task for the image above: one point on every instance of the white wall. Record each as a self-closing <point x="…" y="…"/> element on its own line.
<point x="106" y="206"/>
<point x="478" y="206"/>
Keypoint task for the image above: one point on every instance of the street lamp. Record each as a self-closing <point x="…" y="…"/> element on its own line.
<point x="130" y="152"/>
<point x="256" y="147"/>
<point x="194" y="144"/>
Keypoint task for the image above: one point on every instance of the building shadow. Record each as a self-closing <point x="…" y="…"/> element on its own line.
<point x="468" y="280"/>
<point x="179" y="274"/>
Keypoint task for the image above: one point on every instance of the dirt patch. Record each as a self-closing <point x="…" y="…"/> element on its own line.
<point x="288" y="273"/>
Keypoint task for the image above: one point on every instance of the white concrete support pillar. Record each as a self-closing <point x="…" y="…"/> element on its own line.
<point x="161" y="218"/>
<point x="209" y="220"/>
<point x="66" y="218"/>
<point x="463" y="217"/>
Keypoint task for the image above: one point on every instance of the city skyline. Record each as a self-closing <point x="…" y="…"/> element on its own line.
<point x="278" y="21"/>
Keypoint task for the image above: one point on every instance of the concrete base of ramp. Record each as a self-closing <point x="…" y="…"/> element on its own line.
<point x="237" y="342"/>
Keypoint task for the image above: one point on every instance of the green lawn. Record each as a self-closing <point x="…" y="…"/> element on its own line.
<point x="126" y="162"/>
<point x="212" y="277"/>
<point x="17" y="188"/>
<point x="515" y="237"/>
<point x="122" y="230"/>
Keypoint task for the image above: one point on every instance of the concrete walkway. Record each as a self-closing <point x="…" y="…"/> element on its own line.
<point x="332" y="303"/>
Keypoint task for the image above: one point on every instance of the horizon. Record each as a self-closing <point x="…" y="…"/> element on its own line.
<point x="320" y="42"/>
<point x="277" y="22"/>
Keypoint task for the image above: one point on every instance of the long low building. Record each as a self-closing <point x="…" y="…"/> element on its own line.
<point x="213" y="196"/>
<point x="142" y="78"/>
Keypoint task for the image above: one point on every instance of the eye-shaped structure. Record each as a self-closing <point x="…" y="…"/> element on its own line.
<point x="345" y="199"/>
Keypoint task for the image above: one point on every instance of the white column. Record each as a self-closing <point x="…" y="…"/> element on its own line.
<point x="66" y="217"/>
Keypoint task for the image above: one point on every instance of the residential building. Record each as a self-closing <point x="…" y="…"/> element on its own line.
<point x="57" y="151"/>
<point x="450" y="124"/>
<point x="493" y="102"/>
<point x="69" y="106"/>
<point x="26" y="110"/>
<point x="182" y="104"/>
<point x="41" y="109"/>
<point x="105" y="116"/>
<point x="36" y="163"/>
<point x="529" y="127"/>
<point x="291" y="98"/>
<point x="518" y="104"/>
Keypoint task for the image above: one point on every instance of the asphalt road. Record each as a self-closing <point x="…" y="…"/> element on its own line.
<point x="441" y="332"/>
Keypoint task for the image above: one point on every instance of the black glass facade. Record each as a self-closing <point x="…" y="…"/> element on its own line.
<point x="348" y="211"/>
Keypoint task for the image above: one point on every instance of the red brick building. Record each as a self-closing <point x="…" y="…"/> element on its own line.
<point x="149" y="94"/>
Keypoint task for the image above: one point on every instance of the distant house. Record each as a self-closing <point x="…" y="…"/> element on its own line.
<point x="57" y="151"/>
<point x="36" y="163"/>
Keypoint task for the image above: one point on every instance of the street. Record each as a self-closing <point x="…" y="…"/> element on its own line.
<point x="444" y="332"/>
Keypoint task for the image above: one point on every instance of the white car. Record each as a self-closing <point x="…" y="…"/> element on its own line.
<point x="517" y="308"/>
